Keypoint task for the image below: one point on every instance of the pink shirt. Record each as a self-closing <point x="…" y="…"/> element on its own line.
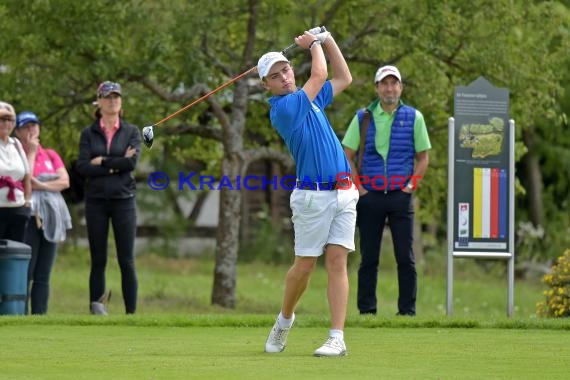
<point x="47" y="161"/>
<point x="109" y="133"/>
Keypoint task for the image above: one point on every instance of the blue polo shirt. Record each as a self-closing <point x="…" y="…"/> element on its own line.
<point x="304" y="127"/>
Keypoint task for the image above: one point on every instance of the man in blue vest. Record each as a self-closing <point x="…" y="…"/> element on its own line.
<point x="394" y="136"/>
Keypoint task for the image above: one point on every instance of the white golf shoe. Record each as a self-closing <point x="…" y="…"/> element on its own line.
<point x="100" y="307"/>
<point x="332" y="347"/>
<point x="277" y="339"/>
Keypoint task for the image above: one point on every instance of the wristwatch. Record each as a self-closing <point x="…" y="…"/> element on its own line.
<point x="409" y="186"/>
<point x="111" y="170"/>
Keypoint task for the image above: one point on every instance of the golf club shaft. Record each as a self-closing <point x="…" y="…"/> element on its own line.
<point x="207" y="95"/>
<point x="284" y="52"/>
<point x="294" y="45"/>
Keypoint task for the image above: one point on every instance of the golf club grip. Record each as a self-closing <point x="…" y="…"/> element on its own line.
<point x="288" y="49"/>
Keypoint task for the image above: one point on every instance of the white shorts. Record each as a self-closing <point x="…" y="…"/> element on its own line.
<point x="321" y="218"/>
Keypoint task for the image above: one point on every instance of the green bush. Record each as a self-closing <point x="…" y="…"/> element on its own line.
<point x="557" y="303"/>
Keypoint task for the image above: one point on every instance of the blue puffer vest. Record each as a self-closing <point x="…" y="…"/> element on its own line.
<point x="394" y="172"/>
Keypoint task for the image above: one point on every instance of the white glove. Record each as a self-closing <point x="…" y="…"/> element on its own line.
<point x="317" y="31"/>
<point x="322" y="36"/>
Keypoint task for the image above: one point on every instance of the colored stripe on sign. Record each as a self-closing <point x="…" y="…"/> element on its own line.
<point x="486" y="204"/>
<point x="503" y="186"/>
<point x="477" y="202"/>
<point x="489" y="203"/>
<point x="494" y="203"/>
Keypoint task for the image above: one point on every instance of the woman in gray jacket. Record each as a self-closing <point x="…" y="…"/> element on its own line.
<point x="50" y="216"/>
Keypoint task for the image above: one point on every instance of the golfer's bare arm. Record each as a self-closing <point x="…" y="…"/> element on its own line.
<point x="341" y="77"/>
<point x="319" y="71"/>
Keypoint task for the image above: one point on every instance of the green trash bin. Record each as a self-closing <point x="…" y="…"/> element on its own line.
<point x="14" y="260"/>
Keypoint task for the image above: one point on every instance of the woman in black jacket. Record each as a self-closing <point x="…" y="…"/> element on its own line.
<point x="108" y="153"/>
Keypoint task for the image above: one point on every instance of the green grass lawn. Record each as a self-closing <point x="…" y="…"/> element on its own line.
<point x="116" y="350"/>
<point x="184" y="286"/>
<point x="177" y="334"/>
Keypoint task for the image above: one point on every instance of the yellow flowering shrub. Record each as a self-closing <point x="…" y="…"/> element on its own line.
<point x="557" y="303"/>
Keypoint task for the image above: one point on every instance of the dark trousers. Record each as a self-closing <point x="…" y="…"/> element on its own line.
<point x="39" y="270"/>
<point x="13" y="222"/>
<point x="122" y="215"/>
<point x="372" y="211"/>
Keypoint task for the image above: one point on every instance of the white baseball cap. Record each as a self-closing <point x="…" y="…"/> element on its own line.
<point x="6" y="109"/>
<point x="267" y="61"/>
<point x="385" y="71"/>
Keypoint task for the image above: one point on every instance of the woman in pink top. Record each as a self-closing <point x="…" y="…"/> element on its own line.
<point x="50" y="216"/>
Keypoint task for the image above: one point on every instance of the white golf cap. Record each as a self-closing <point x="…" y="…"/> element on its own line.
<point x="267" y="61"/>
<point x="385" y="71"/>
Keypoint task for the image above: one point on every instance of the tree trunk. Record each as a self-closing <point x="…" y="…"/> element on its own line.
<point x="534" y="189"/>
<point x="534" y="185"/>
<point x="229" y="221"/>
<point x="227" y="238"/>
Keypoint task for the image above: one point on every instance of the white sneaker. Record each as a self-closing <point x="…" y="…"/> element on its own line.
<point x="332" y="347"/>
<point x="277" y="339"/>
<point x="98" y="308"/>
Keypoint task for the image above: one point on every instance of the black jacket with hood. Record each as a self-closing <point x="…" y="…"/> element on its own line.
<point x="114" y="178"/>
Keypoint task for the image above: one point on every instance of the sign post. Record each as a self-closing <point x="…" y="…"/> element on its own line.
<point x="480" y="206"/>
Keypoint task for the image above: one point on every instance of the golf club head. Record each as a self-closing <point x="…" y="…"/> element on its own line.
<point x="148" y="136"/>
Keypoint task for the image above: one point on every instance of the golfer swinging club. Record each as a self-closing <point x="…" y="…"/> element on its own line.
<point x="324" y="217"/>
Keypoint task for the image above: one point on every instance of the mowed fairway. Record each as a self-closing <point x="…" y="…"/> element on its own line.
<point x="178" y="334"/>
<point x="121" y="351"/>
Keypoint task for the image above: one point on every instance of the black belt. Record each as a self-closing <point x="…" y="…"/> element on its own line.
<point x="323" y="186"/>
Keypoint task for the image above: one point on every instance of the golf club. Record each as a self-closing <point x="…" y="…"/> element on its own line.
<point x="148" y="131"/>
